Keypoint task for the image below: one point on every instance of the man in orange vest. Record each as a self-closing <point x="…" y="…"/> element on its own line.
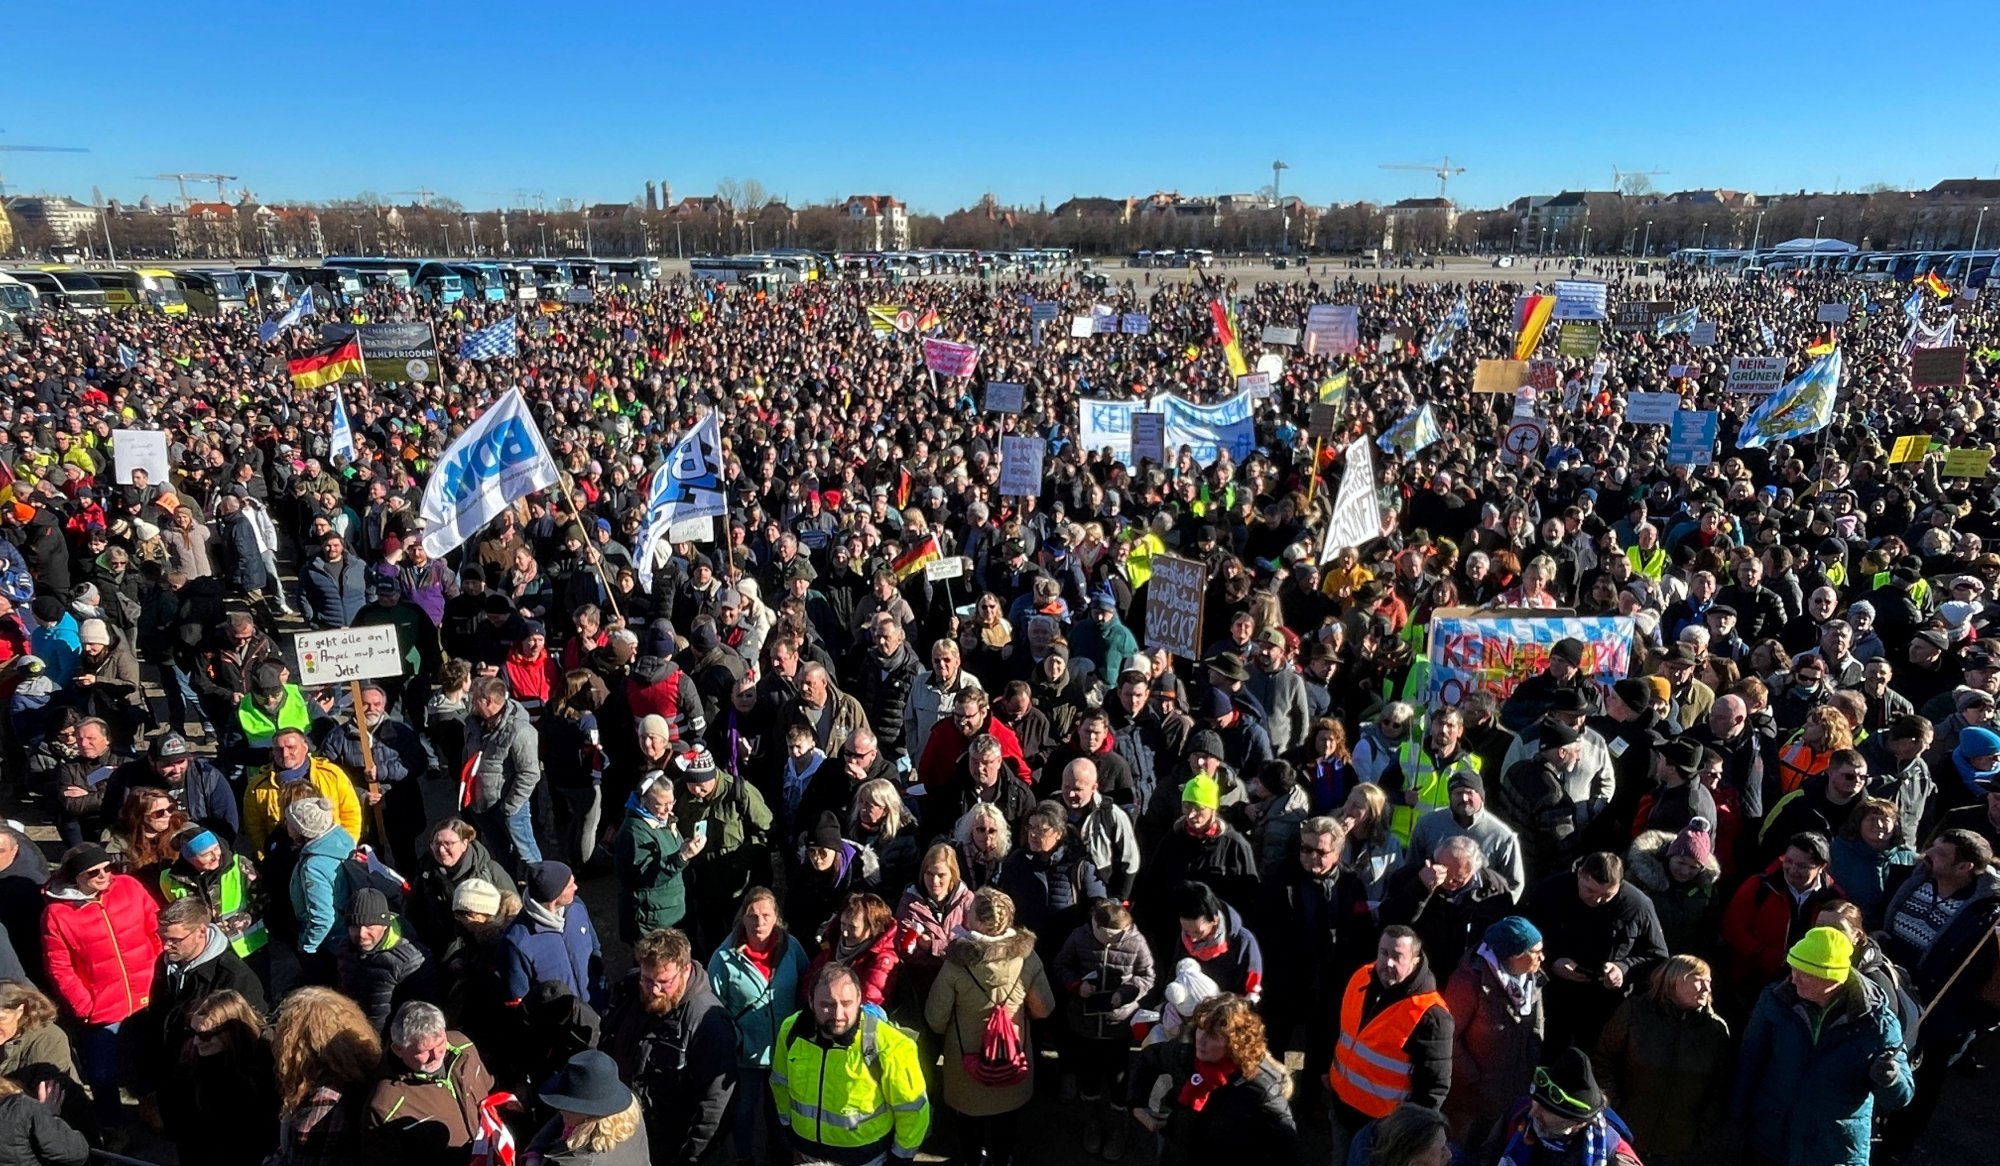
<point x="1395" y="1037"/>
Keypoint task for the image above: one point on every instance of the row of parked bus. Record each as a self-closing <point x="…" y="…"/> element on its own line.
<point x="213" y="291"/>
<point x="1970" y="267"/>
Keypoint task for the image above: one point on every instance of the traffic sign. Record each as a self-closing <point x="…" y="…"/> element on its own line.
<point x="906" y="321"/>
<point x="1523" y="439"/>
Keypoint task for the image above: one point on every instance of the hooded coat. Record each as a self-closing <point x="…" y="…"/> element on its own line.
<point x="1687" y="911"/>
<point x="510" y="762"/>
<point x="428" y="908"/>
<point x="1805" y="1075"/>
<point x="982" y="973"/>
<point x="101" y="950"/>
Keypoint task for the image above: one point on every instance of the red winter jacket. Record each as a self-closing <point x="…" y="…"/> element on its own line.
<point x="101" y="951"/>
<point x="876" y="965"/>
<point x="946" y="744"/>
<point x="1762" y="923"/>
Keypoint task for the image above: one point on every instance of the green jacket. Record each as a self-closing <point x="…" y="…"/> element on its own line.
<point x="738" y="854"/>
<point x="651" y="890"/>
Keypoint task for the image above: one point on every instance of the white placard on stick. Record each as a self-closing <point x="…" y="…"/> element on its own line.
<point x="1021" y="466"/>
<point x="344" y="654"/>
<point x="1082" y="326"/>
<point x="1833" y="313"/>
<point x="1279" y="336"/>
<point x="1149" y="437"/>
<point x="1257" y="384"/>
<point x="951" y="568"/>
<point x="1002" y="397"/>
<point x="1652" y="408"/>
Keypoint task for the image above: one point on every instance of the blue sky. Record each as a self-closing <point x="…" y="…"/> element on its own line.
<point x="939" y="103"/>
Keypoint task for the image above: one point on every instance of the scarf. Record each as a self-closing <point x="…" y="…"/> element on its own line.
<point x="1595" y="1143"/>
<point x="845" y="950"/>
<point x="1212" y="950"/>
<point x="764" y="959"/>
<point x="1208" y="1076"/>
<point x="1521" y="990"/>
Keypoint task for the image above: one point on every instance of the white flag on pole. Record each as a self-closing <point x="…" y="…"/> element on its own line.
<point x="499" y="458"/>
<point x="341" y="444"/>
<point x="1357" y="511"/>
<point x="687" y="486"/>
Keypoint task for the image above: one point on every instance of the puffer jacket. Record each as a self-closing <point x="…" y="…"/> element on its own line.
<point x="924" y="934"/>
<point x="32" y="1135"/>
<point x="101" y="950"/>
<point x="652" y="892"/>
<point x="982" y="973"/>
<point x="1805" y="1078"/>
<point x="1763" y="921"/>
<point x="756" y="1005"/>
<point x="1687" y="911"/>
<point x="332" y="594"/>
<point x="1052" y="892"/>
<point x="877" y="963"/>
<point x="398" y="970"/>
<point x="883" y="688"/>
<point x="1124" y="967"/>
<point x="510" y="760"/>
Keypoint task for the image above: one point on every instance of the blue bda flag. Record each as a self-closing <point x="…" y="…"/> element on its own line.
<point x="1681" y="321"/>
<point x="268" y="330"/>
<point x="1803" y="406"/>
<point x="1412" y="434"/>
<point x="340" y="442"/>
<point x="687" y="486"/>
<point x="499" y="458"/>
<point x="489" y="343"/>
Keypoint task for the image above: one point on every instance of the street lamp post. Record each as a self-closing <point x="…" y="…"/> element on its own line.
<point x="1976" y="224"/>
<point x="677" y="240"/>
<point x="1815" y="251"/>
<point x="1646" y="247"/>
<point x="543" y="227"/>
<point x="1586" y="241"/>
<point x="1756" y="236"/>
<point x="1277" y="196"/>
<point x="1704" y="236"/>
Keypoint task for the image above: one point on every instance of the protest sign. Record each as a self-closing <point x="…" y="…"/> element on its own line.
<point x="1495" y="653"/>
<point x="1676" y="372"/>
<point x="1641" y="315"/>
<point x="1756" y="374"/>
<point x="1149" y="437"/>
<point x="1135" y="324"/>
<point x="1579" y="299"/>
<point x="1937" y="366"/>
<point x="1333" y="329"/>
<point x="1833" y="313"/>
<point x="344" y="654"/>
<point x="1910" y="449"/>
<point x="951" y="568"/>
<point x="1082" y="326"/>
<point x="393" y="352"/>
<point x="1544" y="374"/>
<point x="1280" y="337"/>
<point x="1323" y="422"/>
<point x="1652" y="408"/>
<point x="1967" y="463"/>
<point x="1499" y="376"/>
<point x="1204" y="429"/>
<point x="1002" y="397"/>
<point x="1044" y="311"/>
<point x="1579" y="340"/>
<point x="1257" y="384"/>
<point x="1174" y="597"/>
<point x="579" y="295"/>
<point x="1691" y="437"/>
<point x="1021" y="466"/>
<point x="141" y="449"/>
<point x="1703" y="335"/>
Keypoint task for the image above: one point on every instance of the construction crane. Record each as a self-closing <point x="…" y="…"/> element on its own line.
<point x="1443" y="171"/>
<point x="182" y="179"/>
<point x="37" y="150"/>
<point x="422" y="194"/>
<point x="1618" y="176"/>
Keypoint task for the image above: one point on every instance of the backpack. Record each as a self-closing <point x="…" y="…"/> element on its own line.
<point x="1000" y="1060"/>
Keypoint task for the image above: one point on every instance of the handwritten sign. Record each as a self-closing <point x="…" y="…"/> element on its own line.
<point x="1002" y="397"/>
<point x="1323" y="422"/>
<point x="1967" y="463"/>
<point x="1021" y="466"/>
<point x="1257" y="384"/>
<point x="1149" y="437"/>
<point x="1488" y="653"/>
<point x="1499" y="376"/>
<point x="1910" y="449"/>
<point x="1173" y="605"/>
<point x="1652" y="408"/>
<point x="141" y="449"/>
<point x="344" y="654"/>
<point x="1756" y="374"/>
<point x="1937" y="366"/>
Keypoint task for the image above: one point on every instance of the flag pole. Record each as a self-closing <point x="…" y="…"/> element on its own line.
<point x="1312" y="480"/>
<point x="610" y="592"/>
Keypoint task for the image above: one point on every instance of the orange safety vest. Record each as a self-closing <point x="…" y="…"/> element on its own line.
<point x="1797" y="762"/>
<point x="1371" y="1072"/>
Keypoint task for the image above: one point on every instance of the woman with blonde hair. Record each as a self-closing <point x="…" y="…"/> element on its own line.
<point x="325" y="1054"/>
<point x="990" y="966"/>
<point x="597" y="1120"/>
<point x="1664" y="1061"/>
<point x="1824" y="733"/>
<point x="1217" y="1096"/>
<point x="931" y="912"/>
<point x="1372" y="850"/>
<point x="983" y="841"/>
<point x="881" y="821"/>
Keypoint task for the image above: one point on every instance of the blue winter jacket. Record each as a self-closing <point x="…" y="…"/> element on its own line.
<point x="533" y="951"/>
<point x="755" y="1005"/>
<point x="332" y="594"/>
<point x="320" y="888"/>
<point x="1802" y="1087"/>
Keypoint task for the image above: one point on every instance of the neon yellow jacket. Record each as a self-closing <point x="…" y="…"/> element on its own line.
<point x="852" y="1102"/>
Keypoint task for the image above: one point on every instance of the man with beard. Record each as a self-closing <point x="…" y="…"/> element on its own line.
<point x="848" y="1087"/>
<point x="674" y="1045"/>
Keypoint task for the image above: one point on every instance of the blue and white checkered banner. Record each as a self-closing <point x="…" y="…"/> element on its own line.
<point x="489" y="343"/>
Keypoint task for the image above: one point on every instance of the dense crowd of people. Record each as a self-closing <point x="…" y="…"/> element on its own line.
<point x="898" y="857"/>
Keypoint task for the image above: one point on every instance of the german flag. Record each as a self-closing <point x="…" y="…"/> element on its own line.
<point x="1939" y="288"/>
<point x="327" y="363"/>
<point x="1820" y="347"/>
<point x="916" y="558"/>
<point x="928" y="320"/>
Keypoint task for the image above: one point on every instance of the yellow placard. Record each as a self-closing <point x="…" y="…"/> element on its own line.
<point x="1909" y="449"/>
<point x="1499" y="376"/>
<point x="1967" y="463"/>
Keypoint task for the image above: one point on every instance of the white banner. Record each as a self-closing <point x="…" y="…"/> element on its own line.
<point x="1205" y="429"/>
<point x="1579" y="299"/>
<point x="1652" y="408"/>
<point x="1357" y="509"/>
<point x="499" y="458"/>
<point x="1756" y="374"/>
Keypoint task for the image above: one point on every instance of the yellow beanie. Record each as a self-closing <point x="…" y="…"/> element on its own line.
<point x="1825" y="952"/>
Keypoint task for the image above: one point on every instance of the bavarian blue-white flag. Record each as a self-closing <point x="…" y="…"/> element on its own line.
<point x="1447" y="330"/>
<point x="489" y="343"/>
<point x="499" y="458"/>
<point x="269" y="329"/>
<point x="686" y="487"/>
<point x="1681" y="321"/>
<point x="1913" y="308"/>
<point x="128" y="356"/>
<point x="1805" y="405"/>
<point x="1414" y="432"/>
<point x="341" y="440"/>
